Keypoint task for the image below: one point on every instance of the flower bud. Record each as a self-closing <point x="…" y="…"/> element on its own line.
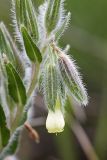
<point x="55" y="121"/>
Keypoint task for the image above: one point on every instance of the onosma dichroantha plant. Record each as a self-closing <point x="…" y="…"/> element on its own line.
<point x="35" y="61"/>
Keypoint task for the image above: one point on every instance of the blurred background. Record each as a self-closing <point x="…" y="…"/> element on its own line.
<point x="87" y="35"/>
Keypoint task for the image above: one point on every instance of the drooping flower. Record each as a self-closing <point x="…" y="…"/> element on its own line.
<point x="55" y="121"/>
<point x="60" y="78"/>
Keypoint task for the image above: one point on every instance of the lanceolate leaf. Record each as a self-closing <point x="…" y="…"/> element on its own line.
<point x="4" y="131"/>
<point x="50" y="79"/>
<point x="32" y="50"/>
<point x="32" y="20"/>
<point x="5" y="46"/>
<point x="63" y="27"/>
<point x="48" y="12"/>
<point x="15" y="85"/>
<point x="9" y="48"/>
<point x="72" y="79"/>
<point x="11" y="147"/>
<point x="52" y="15"/>
<point x="23" y="11"/>
<point x="50" y="86"/>
<point x="26" y="15"/>
<point x="62" y="92"/>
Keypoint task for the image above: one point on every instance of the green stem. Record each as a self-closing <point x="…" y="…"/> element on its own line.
<point x="17" y="118"/>
<point x="35" y="70"/>
<point x="12" y="145"/>
<point x="13" y="142"/>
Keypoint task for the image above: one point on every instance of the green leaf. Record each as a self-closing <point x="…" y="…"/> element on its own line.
<point x="9" y="48"/>
<point x="52" y="15"/>
<point x="5" y="45"/>
<point x="51" y="86"/>
<point x="62" y="92"/>
<point x="15" y="85"/>
<point x="62" y="28"/>
<point x="26" y="15"/>
<point x="48" y="11"/>
<point x="12" y="146"/>
<point x="50" y="80"/>
<point x="23" y="15"/>
<point x="72" y="80"/>
<point x="5" y="133"/>
<point x="32" y="50"/>
<point x="33" y="29"/>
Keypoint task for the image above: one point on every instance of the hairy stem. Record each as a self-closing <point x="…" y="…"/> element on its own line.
<point x="13" y="142"/>
<point x="35" y="70"/>
<point x="17" y="118"/>
<point x="12" y="145"/>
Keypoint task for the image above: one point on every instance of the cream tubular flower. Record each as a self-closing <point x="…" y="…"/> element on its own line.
<point x="55" y="121"/>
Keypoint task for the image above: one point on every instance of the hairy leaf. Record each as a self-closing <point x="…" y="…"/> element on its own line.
<point x="51" y="86"/>
<point x="15" y="85"/>
<point x="23" y="12"/>
<point x="12" y="145"/>
<point x="62" y="92"/>
<point x="4" y="131"/>
<point x="8" y="47"/>
<point x="51" y="80"/>
<point x="62" y="28"/>
<point x="72" y="80"/>
<point x="32" y="50"/>
<point x="26" y="15"/>
<point x="5" y="46"/>
<point x="32" y="20"/>
<point x="52" y="15"/>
